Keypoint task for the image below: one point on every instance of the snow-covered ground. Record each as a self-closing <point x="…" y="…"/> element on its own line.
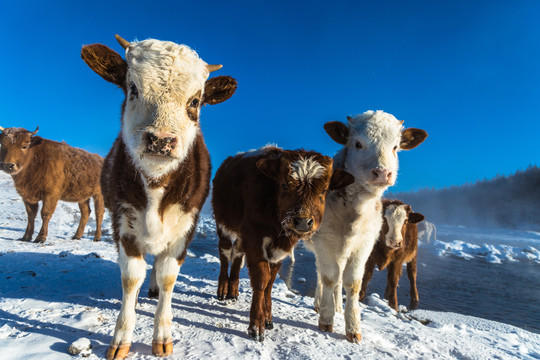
<point x="65" y="290"/>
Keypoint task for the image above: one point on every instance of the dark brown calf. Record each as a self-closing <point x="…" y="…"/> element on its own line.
<point x="264" y="202"/>
<point x="397" y="244"/>
<point x="48" y="171"/>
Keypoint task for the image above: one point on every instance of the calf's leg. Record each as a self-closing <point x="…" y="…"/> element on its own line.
<point x="268" y="323"/>
<point x="84" y="206"/>
<point x="330" y="275"/>
<point x="31" y="210"/>
<point x="411" y="272"/>
<point x="47" y="210"/>
<point x="259" y="273"/>
<point x="394" y="273"/>
<point x="234" y="277"/>
<point x="99" y="206"/>
<point x="132" y="269"/>
<point x="167" y="268"/>
<point x="225" y="253"/>
<point x="352" y="281"/>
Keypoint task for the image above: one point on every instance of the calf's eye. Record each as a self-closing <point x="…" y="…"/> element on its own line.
<point x="358" y="145"/>
<point x="194" y="103"/>
<point x="133" y="90"/>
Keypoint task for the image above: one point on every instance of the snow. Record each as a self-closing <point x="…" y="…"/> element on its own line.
<point x="64" y="291"/>
<point x="493" y="246"/>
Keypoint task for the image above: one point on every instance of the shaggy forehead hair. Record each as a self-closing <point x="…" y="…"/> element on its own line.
<point x="377" y="126"/>
<point x="306" y="169"/>
<point x="164" y="71"/>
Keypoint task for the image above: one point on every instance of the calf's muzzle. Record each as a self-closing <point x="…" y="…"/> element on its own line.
<point x="160" y="143"/>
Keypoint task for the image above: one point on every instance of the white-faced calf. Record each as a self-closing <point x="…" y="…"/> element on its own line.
<point x="264" y="202"/>
<point x="49" y="171"/>
<point x="157" y="174"/>
<point x="397" y="245"/>
<point x="352" y="219"/>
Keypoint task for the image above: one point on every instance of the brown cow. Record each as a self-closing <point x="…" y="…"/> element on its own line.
<point x="397" y="245"/>
<point x="48" y="171"/>
<point x="264" y="202"/>
<point x="157" y="174"/>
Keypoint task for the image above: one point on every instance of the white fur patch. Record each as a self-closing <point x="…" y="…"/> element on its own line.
<point x="166" y="76"/>
<point x="273" y="255"/>
<point x="306" y="169"/>
<point x="155" y="234"/>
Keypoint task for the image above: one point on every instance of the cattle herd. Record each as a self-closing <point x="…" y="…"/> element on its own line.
<point x="156" y="178"/>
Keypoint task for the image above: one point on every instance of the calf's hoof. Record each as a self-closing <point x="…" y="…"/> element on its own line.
<point x="268" y="325"/>
<point x="326" y="328"/>
<point x="255" y="333"/>
<point x="118" y="352"/>
<point x="75" y="237"/>
<point x="354" y="338"/>
<point x="97" y="239"/>
<point x="28" y="239"/>
<point x="40" y="240"/>
<point x="161" y="349"/>
<point x="232" y="297"/>
<point x="153" y="294"/>
<point x="413" y="305"/>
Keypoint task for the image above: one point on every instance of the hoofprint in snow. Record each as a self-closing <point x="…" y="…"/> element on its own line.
<point x="65" y="290"/>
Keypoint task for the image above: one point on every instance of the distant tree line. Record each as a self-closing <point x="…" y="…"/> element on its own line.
<point x="505" y="201"/>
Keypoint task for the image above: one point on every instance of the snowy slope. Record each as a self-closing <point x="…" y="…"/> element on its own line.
<point x="64" y="290"/>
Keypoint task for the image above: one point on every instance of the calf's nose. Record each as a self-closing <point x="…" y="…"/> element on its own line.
<point x="160" y="143"/>
<point x="381" y="176"/>
<point x="303" y="224"/>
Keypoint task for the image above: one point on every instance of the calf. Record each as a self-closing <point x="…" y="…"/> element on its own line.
<point x="397" y="245"/>
<point x="352" y="218"/>
<point x="48" y="171"/>
<point x="264" y="202"/>
<point x="156" y="176"/>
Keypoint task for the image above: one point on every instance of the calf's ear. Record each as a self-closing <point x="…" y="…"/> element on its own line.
<point x="340" y="179"/>
<point x="219" y="89"/>
<point x="338" y="131"/>
<point x="36" y="140"/>
<point x="269" y="167"/>
<point x="411" y="138"/>
<point x="415" y="217"/>
<point x="106" y="62"/>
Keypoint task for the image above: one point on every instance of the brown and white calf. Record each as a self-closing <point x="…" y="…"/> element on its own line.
<point x="156" y="176"/>
<point x="397" y="245"/>
<point x="49" y="171"/>
<point x="352" y="219"/>
<point x="264" y="202"/>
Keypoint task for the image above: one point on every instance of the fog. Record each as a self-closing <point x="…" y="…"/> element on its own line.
<point x="504" y="201"/>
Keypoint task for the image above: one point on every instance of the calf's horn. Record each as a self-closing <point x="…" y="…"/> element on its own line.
<point x="212" y="68"/>
<point x="1" y="128"/>
<point x="122" y="41"/>
<point x="35" y="131"/>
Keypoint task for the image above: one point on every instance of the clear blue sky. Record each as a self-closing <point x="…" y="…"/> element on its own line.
<point x="468" y="72"/>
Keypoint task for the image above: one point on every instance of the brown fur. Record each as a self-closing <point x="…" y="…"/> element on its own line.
<point x="393" y="259"/>
<point x="255" y="197"/>
<point x="51" y="171"/>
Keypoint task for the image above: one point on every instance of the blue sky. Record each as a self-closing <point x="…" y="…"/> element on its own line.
<point x="468" y="72"/>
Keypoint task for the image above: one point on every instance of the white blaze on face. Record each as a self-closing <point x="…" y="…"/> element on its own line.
<point x="395" y="216"/>
<point x="374" y="139"/>
<point x="162" y="78"/>
<point x="306" y="169"/>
